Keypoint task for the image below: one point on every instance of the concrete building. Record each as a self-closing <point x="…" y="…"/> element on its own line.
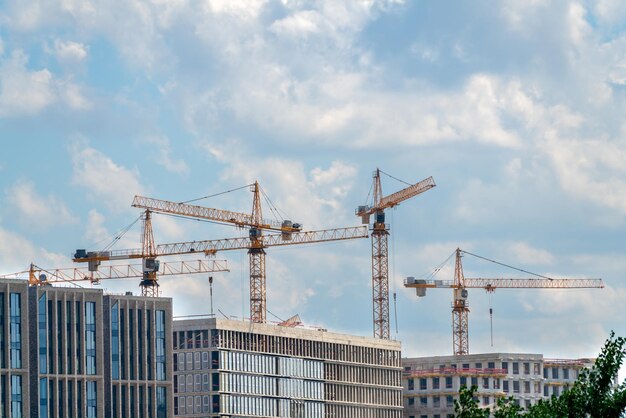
<point x="229" y="368"/>
<point x="73" y="352"/>
<point x="431" y="384"/>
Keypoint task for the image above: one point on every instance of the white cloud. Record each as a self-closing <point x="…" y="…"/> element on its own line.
<point x="24" y="92"/>
<point x="526" y="255"/>
<point x="36" y="210"/>
<point x="69" y="52"/>
<point x="164" y="155"/>
<point x="103" y="179"/>
<point x="311" y="198"/>
<point x="17" y="252"/>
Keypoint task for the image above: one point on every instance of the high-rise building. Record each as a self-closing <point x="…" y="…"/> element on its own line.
<point x="74" y="352"/>
<point x="431" y="384"/>
<point x="229" y="368"/>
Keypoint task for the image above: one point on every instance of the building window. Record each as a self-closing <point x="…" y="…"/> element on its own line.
<point x="435" y="383"/>
<point x="160" y="346"/>
<point x="505" y="366"/>
<point x="411" y="384"/>
<point x="2" y="342"/>
<point x="496" y="383"/>
<point x="448" y="382"/>
<point x="463" y="380"/>
<point x="43" y="398"/>
<point x="515" y="367"/>
<point x="555" y="373"/>
<point x="505" y="386"/>
<point x="526" y="368"/>
<point x="516" y="386"/>
<point x="545" y="372"/>
<point x="115" y="341"/>
<point x="423" y="384"/>
<point x="475" y="381"/>
<point x="491" y="365"/>
<point x="42" y="327"/>
<point x="90" y="338"/>
<point x="485" y="400"/>
<point x="449" y="401"/>
<point x="536" y="368"/>
<point x="485" y="382"/>
<point x="526" y="387"/>
<point x="423" y="401"/>
<point x="15" y="330"/>
<point x="565" y="373"/>
<point x="16" y="394"/>
<point x="92" y="400"/>
<point x="436" y="402"/>
<point x="411" y="401"/>
<point x="161" y="402"/>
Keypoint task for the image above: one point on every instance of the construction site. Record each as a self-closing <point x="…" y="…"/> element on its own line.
<point x="80" y="352"/>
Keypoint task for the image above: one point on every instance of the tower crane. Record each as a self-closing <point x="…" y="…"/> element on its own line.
<point x="380" y="233"/>
<point x="210" y="247"/>
<point x="253" y="221"/>
<point x="38" y="276"/>
<point x="460" y="284"/>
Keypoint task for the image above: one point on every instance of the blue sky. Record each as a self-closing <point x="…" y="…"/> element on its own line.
<point x="514" y="107"/>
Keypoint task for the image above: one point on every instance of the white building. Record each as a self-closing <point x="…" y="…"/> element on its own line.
<point x="229" y="368"/>
<point x="431" y="384"/>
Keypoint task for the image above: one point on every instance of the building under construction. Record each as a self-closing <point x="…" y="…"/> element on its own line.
<point x="228" y="368"/>
<point x="431" y="384"/>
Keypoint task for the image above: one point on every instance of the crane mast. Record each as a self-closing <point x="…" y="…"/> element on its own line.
<point x="460" y="284"/>
<point x="380" y="252"/>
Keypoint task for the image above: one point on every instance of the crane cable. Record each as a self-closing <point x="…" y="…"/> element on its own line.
<point x="217" y="194"/>
<point x="509" y="266"/>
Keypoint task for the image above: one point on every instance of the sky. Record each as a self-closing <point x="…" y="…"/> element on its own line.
<point x="514" y="107"/>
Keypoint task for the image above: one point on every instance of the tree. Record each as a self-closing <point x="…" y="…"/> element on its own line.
<point x="467" y="405"/>
<point x="592" y="395"/>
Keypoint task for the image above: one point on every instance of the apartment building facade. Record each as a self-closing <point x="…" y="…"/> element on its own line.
<point x="63" y="353"/>
<point x="431" y="384"/>
<point x="228" y="368"/>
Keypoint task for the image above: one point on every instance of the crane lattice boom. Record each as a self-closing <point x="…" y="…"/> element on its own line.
<point x="126" y="271"/>
<point x="213" y="246"/>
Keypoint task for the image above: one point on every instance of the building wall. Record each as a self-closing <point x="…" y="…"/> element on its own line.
<point x="431" y="384"/>
<point x="14" y="349"/>
<point x="57" y="346"/>
<point x="67" y="377"/>
<point x="233" y="368"/>
<point x="139" y="356"/>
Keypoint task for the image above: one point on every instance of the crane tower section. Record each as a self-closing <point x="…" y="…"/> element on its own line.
<point x="380" y="235"/>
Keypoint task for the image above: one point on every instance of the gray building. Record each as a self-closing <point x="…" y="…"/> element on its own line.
<point x="73" y="352"/>
<point x="431" y="384"/>
<point x="229" y="368"/>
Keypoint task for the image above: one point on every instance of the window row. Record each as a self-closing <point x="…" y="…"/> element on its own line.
<point x="306" y="348"/>
<point x="363" y="394"/>
<point x="362" y="374"/>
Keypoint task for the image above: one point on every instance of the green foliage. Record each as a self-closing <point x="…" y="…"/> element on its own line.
<point x="592" y="395"/>
<point x="467" y="405"/>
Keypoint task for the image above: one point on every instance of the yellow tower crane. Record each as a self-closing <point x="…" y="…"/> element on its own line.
<point x="380" y="233"/>
<point x="255" y="243"/>
<point x="460" y="284"/>
<point x="38" y="276"/>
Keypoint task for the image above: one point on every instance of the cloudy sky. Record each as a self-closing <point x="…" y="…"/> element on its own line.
<point x="514" y="107"/>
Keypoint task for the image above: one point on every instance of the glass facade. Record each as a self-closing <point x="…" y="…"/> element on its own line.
<point x="92" y="400"/>
<point x="43" y="398"/>
<point x="90" y="338"/>
<point x="2" y="342"/>
<point x="15" y="329"/>
<point x="115" y="342"/>
<point x="16" y="395"/>
<point x="161" y="402"/>
<point x="160" y="345"/>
